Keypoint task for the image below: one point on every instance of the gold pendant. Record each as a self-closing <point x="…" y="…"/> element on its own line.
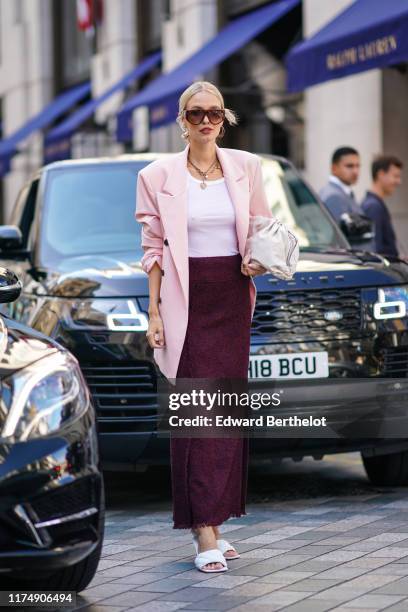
<point x="203" y="185"/>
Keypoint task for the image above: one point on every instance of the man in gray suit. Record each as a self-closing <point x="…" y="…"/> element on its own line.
<point x="337" y="194"/>
<point x="339" y="197"/>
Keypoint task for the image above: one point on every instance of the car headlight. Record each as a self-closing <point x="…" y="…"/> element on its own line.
<point x="44" y="397"/>
<point x="104" y="314"/>
<point x="392" y="302"/>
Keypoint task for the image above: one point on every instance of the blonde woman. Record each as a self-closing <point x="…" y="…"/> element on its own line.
<point x="195" y="208"/>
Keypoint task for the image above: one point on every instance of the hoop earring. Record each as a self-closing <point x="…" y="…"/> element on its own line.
<point x="222" y="132"/>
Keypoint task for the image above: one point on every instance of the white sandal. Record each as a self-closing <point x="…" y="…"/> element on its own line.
<point x="224" y="546"/>
<point x="209" y="556"/>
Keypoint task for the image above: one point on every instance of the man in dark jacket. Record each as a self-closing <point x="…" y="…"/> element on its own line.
<point x="386" y="174"/>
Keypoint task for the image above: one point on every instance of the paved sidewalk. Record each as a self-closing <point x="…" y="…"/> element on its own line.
<point x="340" y="553"/>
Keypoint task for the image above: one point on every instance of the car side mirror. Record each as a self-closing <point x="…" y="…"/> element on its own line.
<point x="11" y="238"/>
<point x="10" y="285"/>
<point x="357" y="227"/>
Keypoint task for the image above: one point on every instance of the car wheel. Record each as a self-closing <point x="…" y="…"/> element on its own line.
<point x="387" y="470"/>
<point x="73" y="578"/>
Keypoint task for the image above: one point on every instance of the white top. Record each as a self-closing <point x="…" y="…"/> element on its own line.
<point x="210" y="220"/>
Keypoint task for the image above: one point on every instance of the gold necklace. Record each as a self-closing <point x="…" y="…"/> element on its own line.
<point x="204" y="174"/>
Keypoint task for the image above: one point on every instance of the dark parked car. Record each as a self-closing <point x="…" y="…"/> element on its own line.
<point x="74" y="243"/>
<point x="51" y="486"/>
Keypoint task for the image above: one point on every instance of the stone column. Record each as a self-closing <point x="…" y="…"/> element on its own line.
<point x="26" y="83"/>
<point x="345" y="111"/>
<point x="192" y="23"/>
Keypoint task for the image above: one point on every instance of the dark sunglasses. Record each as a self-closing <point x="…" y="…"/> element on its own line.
<point x="196" y="115"/>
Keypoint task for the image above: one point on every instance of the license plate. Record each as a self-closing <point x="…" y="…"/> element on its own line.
<point x="289" y="365"/>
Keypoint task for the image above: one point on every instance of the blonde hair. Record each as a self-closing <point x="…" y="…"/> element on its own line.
<point x="194" y="88"/>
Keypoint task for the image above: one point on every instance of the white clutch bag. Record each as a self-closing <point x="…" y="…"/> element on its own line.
<point x="271" y="244"/>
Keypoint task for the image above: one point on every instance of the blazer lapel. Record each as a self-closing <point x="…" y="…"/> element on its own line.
<point x="172" y="202"/>
<point x="238" y="187"/>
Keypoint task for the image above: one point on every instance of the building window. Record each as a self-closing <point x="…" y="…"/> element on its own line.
<point x="234" y="7"/>
<point x="74" y="48"/>
<point x="18" y="11"/>
<point x="253" y="81"/>
<point x="1" y="33"/>
<point x="151" y="15"/>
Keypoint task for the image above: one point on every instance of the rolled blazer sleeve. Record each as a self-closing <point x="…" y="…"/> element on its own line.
<point x="258" y="204"/>
<point x="148" y="215"/>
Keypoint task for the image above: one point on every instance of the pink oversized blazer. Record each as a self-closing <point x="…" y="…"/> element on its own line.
<point x="161" y="206"/>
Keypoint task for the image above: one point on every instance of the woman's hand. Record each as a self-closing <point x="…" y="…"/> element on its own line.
<point x="155" y="332"/>
<point x="251" y="269"/>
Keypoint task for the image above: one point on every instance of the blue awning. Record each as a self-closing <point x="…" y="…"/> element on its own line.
<point x="62" y="103"/>
<point x="368" y="34"/>
<point x="162" y="94"/>
<point x="57" y="143"/>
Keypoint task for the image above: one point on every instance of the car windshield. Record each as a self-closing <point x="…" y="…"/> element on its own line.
<point x="293" y="203"/>
<point x="89" y="210"/>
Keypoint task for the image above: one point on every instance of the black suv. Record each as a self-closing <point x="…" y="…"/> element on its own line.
<point x="75" y="244"/>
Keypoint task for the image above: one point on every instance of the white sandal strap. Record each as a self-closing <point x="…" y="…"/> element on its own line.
<point x="224" y="545"/>
<point x="209" y="556"/>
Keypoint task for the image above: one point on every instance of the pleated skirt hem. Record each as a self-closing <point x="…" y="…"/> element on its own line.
<point x="210" y="523"/>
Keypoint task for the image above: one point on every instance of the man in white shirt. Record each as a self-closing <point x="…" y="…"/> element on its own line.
<point x="339" y="198"/>
<point x="338" y="194"/>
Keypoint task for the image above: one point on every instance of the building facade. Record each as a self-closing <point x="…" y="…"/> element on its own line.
<point x="43" y="52"/>
<point x="366" y="110"/>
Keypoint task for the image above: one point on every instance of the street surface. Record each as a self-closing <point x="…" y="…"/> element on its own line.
<point x="318" y="536"/>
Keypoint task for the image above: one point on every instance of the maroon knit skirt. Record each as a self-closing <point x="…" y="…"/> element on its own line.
<point x="209" y="475"/>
